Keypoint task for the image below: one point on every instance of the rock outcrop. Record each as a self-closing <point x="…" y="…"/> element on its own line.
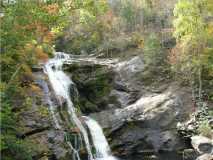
<point x="136" y="117"/>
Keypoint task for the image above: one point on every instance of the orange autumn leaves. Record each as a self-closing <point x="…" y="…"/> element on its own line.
<point x="42" y="34"/>
<point x="52" y="8"/>
<point x="37" y="51"/>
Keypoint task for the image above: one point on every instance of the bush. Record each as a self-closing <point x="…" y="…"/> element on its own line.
<point x="154" y="55"/>
<point x="11" y="147"/>
<point x="205" y="129"/>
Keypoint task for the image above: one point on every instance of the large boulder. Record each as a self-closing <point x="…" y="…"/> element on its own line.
<point x="149" y="123"/>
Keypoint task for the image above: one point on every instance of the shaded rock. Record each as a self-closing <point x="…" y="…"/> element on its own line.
<point x="189" y="154"/>
<point x="202" y="144"/>
<point x="94" y="84"/>
<point x="37" y="68"/>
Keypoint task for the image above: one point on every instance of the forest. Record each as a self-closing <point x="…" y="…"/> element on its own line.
<point x="106" y="79"/>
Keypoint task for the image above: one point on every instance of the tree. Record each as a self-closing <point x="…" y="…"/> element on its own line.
<point x="191" y="33"/>
<point x="28" y="30"/>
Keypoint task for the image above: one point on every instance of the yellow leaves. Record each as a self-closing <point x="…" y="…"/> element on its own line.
<point x="210" y="29"/>
<point x="56" y="30"/>
<point x="141" y="43"/>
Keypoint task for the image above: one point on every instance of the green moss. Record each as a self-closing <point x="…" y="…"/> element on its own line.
<point x="43" y="111"/>
<point x="16" y="149"/>
<point x="86" y="106"/>
<point x="100" y="86"/>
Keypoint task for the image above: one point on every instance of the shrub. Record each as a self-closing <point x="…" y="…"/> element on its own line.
<point x="205" y="129"/>
<point x="154" y="54"/>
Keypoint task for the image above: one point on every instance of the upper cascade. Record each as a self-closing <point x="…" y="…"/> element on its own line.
<point x="61" y="85"/>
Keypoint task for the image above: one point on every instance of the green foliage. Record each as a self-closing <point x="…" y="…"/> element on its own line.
<point x="11" y="147"/>
<point x="26" y="26"/>
<point x="205" y="129"/>
<point x="15" y="149"/>
<point x="83" y="44"/>
<point x="43" y="111"/>
<point x="193" y="53"/>
<point x="87" y="27"/>
<point x="189" y="21"/>
<point x="91" y="9"/>
<point x="128" y="13"/>
<point x="27" y="33"/>
<point x="154" y="54"/>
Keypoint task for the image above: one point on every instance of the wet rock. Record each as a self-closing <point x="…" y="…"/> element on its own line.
<point x="202" y="144"/>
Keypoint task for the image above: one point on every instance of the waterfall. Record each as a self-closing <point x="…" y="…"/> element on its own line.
<point x="100" y="143"/>
<point x="47" y="98"/>
<point x="61" y="85"/>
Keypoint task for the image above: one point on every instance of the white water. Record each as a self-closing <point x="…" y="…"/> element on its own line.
<point x="52" y="107"/>
<point x="100" y="143"/>
<point x="61" y="84"/>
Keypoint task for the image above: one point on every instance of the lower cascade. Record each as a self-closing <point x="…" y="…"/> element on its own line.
<point x="61" y="84"/>
<point x="100" y="143"/>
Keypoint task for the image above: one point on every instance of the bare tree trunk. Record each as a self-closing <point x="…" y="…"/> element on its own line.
<point x="14" y="75"/>
<point x="200" y="82"/>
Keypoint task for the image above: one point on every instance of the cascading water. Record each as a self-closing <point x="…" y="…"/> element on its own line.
<point x="61" y="84"/>
<point x="100" y="143"/>
<point x="52" y="107"/>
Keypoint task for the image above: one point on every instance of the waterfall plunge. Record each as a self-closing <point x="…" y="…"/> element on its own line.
<point x="61" y="85"/>
<point x="100" y="143"/>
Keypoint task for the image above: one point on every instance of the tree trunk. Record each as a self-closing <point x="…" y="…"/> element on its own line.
<point x="200" y="82"/>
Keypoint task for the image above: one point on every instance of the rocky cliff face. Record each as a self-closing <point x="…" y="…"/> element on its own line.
<point x="37" y="124"/>
<point x="139" y="118"/>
